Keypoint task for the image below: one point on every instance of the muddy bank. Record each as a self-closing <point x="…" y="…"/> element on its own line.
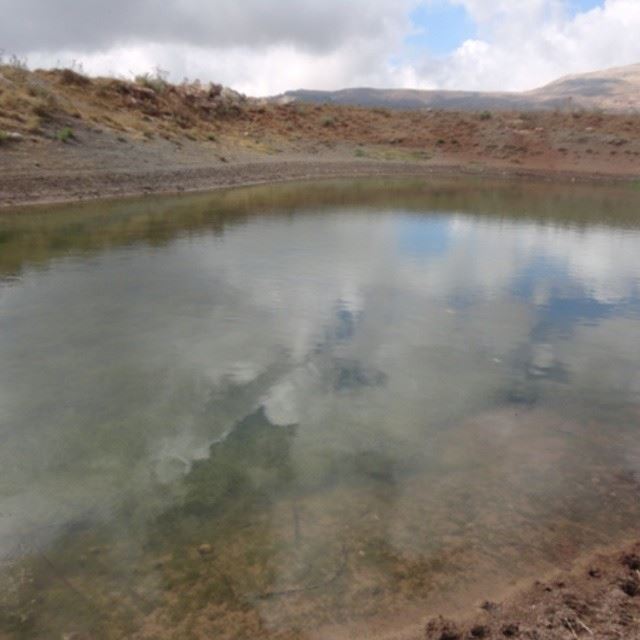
<point x="35" y="187"/>
<point x="600" y="598"/>
<point x="31" y="187"/>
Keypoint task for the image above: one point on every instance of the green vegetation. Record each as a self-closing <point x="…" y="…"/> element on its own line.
<point x="328" y="121"/>
<point x="360" y="153"/>
<point x="65" y="134"/>
<point x="486" y="115"/>
<point x="3" y="137"/>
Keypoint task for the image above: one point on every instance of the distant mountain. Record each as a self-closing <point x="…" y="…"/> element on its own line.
<point x="610" y="90"/>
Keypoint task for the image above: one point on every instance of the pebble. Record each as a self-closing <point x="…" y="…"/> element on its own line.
<point x="13" y="136"/>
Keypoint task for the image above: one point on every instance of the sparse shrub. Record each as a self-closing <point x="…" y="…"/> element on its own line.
<point x="360" y="153"/>
<point x="18" y="63"/>
<point x="38" y="89"/>
<point x="72" y="77"/>
<point x="157" y="81"/>
<point x="65" y="135"/>
<point x="328" y="121"/>
<point x="486" y="115"/>
<point x="183" y="117"/>
<point x="3" y="137"/>
<point x="44" y="106"/>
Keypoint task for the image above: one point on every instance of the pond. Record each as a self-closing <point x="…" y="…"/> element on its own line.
<point x="320" y="410"/>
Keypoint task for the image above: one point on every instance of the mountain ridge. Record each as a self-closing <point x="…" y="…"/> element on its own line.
<point x="616" y="89"/>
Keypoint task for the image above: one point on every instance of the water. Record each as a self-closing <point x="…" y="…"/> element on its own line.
<point x="312" y="410"/>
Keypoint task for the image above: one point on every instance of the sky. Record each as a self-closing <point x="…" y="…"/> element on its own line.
<point x="265" y="47"/>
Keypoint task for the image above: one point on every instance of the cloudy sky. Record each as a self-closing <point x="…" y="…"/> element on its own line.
<point x="264" y="47"/>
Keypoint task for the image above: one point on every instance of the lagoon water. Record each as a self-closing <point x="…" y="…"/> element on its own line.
<point x="315" y="410"/>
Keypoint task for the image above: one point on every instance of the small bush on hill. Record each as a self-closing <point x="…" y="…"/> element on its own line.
<point x="71" y="77"/>
<point x="157" y="81"/>
<point x="37" y="88"/>
<point x="66" y="134"/>
<point x="44" y="106"/>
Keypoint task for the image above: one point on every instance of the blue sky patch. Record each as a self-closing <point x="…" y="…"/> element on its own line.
<point x="580" y="6"/>
<point x="441" y="27"/>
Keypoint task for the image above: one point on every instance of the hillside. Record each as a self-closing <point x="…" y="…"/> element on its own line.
<point x="66" y="136"/>
<point x="611" y="90"/>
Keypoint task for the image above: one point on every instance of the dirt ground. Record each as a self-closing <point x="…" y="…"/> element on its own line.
<point x="599" y="599"/>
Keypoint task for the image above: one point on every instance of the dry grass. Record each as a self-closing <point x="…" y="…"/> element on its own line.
<point x="149" y="106"/>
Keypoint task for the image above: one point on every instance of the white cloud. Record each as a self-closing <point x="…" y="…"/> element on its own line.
<point x="257" y="47"/>
<point x="95" y="25"/>
<point x="275" y="69"/>
<point x="262" y="48"/>
<point x="526" y="44"/>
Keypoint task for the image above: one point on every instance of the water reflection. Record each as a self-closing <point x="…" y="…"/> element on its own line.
<point x="261" y="412"/>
